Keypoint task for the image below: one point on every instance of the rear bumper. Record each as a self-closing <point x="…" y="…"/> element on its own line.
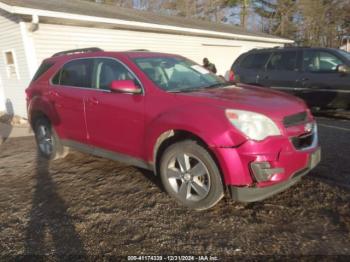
<point x="252" y="194"/>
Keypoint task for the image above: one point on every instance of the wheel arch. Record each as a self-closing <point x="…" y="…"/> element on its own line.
<point x="42" y="107"/>
<point x="173" y="136"/>
<point x="35" y="115"/>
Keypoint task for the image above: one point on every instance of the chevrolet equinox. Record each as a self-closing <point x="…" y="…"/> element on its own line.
<point x="203" y="136"/>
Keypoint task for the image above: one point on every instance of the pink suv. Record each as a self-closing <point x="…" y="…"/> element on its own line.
<point x="165" y="113"/>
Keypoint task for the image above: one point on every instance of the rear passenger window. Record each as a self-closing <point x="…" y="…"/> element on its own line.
<point x="283" y="61"/>
<point x="255" y="61"/>
<point x="76" y="73"/>
<point x="108" y="70"/>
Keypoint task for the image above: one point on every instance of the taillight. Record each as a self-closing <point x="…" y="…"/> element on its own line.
<point x="28" y="94"/>
<point x="232" y="75"/>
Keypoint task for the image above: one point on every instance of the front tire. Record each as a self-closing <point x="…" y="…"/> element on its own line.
<point x="190" y="175"/>
<point x="49" y="144"/>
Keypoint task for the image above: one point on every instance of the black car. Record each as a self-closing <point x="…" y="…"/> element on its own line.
<point x="320" y="76"/>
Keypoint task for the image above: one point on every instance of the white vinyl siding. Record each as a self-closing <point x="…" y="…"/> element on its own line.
<point x="54" y="38"/>
<point x="13" y="87"/>
<point x="2" y="96"/>
<point x="30" y="48"/>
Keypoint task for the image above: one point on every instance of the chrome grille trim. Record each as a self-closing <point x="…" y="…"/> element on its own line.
<point x="294" y="120"/>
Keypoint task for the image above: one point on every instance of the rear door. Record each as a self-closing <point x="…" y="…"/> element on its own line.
<point x="251" y="66"/>
<point x="67" y="91"/>
<point x="321" y="85"/>
<point x="282" y="71"/>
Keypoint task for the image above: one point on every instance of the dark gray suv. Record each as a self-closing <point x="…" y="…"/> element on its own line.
<point x="320" y="76"/>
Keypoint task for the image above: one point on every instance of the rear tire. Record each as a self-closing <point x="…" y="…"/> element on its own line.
<point x="190" y="175"/>
<point x="49" y="144"/>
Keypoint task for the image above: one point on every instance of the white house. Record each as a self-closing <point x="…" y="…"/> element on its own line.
<point x="32" y="30"/>
<point x="345" y="44"/>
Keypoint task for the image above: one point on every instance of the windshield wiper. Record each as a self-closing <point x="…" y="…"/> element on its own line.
<point x="184" y="90"/>
<point x="217" y="85"/>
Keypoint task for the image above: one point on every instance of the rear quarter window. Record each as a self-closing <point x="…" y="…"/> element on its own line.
<point x="255" y="61"/>
<point x="44" y="67"/>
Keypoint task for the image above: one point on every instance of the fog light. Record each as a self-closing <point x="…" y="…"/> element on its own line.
<point x="262" y="171"/>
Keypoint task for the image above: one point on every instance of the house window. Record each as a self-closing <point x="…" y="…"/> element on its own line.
<point x="11" y="67"/>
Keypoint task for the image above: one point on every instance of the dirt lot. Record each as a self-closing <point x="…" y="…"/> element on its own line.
<point x="89" y="206"/>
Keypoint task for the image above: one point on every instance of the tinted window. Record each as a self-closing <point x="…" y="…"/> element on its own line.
<point x="284" y="61"/>
<point x="75" y="73"/>
<point x="255" y="61"/>
<point x="344" y="53"/>
<point x="42" y="70"/>
<point x="108" y="70"/>
<point x="320" y="61"/>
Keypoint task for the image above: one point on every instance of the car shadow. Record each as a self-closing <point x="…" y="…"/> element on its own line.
<point x="50" y="229"/>
<point x="152" y="177"/>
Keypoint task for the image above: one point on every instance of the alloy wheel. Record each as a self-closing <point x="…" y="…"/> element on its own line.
<point x="44" y="138"/>
<point x="188" y="177"/>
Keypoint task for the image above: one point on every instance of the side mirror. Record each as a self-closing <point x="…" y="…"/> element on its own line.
<point x="124" y="86"/>
<point x="344" y="69"/>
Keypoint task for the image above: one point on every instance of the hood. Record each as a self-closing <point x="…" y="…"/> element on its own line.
<point x="273" y="104"/>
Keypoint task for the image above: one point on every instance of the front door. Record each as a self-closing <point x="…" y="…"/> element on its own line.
<point x="115" y="121"/>
<point x="321" y="84"/>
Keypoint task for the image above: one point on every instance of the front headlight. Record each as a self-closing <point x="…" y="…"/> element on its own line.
<point x="255" y="126"/>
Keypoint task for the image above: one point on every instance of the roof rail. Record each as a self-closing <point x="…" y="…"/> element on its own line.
<point x="139" y="50"/>
<point x="77" y="51"/>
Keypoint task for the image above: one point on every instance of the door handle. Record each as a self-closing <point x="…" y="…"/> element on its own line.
<point x="93" y="101"/>
<point x="54" y="93"/>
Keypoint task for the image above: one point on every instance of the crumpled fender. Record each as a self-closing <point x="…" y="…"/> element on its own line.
<point x="209" y="123"/>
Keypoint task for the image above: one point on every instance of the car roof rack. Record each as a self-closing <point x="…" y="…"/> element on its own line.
<point x="78" y="51"/>
<point x="279" y="48"/>
<point x="139" y="50"/>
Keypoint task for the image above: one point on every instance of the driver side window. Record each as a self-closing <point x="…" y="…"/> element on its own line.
<point x="108" y="70"/>
<point x="320" y="61"/>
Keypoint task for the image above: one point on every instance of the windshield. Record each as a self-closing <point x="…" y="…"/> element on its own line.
<point x="175" y="74"/>
<point x="344" y="53"/>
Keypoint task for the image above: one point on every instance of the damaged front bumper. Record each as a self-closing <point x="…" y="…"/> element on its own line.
<point x="252" y="194"/>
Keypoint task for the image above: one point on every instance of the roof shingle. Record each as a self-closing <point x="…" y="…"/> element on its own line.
<point x="116" y="12"/>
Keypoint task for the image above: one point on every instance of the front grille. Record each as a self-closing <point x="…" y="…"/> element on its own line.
<point x="294" y="120"/>
<point x="303" y="142"/>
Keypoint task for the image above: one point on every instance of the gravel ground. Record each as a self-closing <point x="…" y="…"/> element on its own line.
<point x="89" y="206"/>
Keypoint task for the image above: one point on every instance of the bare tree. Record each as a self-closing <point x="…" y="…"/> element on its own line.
<point x="309" y="22"/>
